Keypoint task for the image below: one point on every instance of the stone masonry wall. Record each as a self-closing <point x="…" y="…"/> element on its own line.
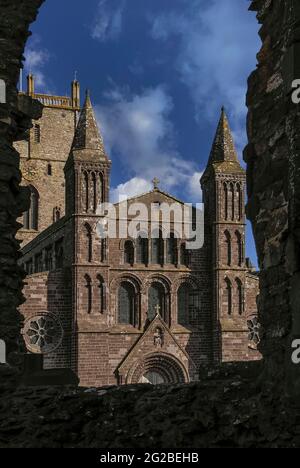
<point x="15" y="115"/>
<point x="272" y="157"/>
<point x="57" y="128"/>
<point x="50" y="293"/>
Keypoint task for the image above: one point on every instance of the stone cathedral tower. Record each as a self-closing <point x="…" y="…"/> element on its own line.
<point x="223" y="184"/>
<point x="90" y="301"/>
<point x="87" y="174"/>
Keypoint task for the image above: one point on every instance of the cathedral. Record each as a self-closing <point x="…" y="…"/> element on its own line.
<point x="129" y="310"/>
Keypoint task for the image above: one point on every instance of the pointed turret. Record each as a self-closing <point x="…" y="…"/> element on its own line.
<point x="223" y="155"/>
<point x="87" y="163"/>
<point x="223" y="148"/>
<point x="87" y="136"/>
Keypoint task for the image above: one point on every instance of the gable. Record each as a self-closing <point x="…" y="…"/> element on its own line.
<point x="156" y="340"/>
<point x="154" y="196"/>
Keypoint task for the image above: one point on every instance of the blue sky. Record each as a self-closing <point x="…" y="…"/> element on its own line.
<point x="159" y="72"/>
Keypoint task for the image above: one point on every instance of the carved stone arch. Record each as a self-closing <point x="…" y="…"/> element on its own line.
<point x="122" y="243"/>
<point x="191" y="280"/>
<point x="160" y="278"/>
<point x="135" y="280"/>
<point x="171" y="369"/>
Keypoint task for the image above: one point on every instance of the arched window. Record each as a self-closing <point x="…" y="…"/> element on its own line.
<point x="240" y="296"/>
<point x="85" y="192"/>
<point x="171" y="249"/>
<point x="157" y="248"/>
<point x="184" y="255"/>
<point x="103" y="248"/>
<point x="101" y="189"/>
<point x="157" y="301"/>
<point x="127" y="304"/>
<point x="128" y="253"/>
<point x="49" y="170"/>
<point x="56" y="214"/>
<point x="228" y="295"/>
<point x="89" y="298"/>
<point x="89" y="242"/>
<point x="240" y="248"/>
<point x="94" y="185"/>
<point x="188" y="304"/>
<point x="225" y="201"/>
<point x="232" y="197"/>
<point x="228" y="247"/>
<point x="239" y="201"/>
<point x="142" y="249"/>
<point x="30" y="218"/>
<point x="102" y="294"/>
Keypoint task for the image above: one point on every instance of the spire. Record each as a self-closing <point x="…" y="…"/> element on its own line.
<point x="223" y="148"/>
<point x="223" y="156"/>
<point x="87" y="135"/>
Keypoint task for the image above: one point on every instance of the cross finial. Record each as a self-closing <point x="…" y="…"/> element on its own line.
<point x="155" y="183"/>
<point x="75" y="76"/>
<point x="157" y="309"/>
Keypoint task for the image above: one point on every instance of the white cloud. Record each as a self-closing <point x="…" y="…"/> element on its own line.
<point x="195" y="188"/>
<point x="131" y="188"/>
<point x="36" y="57"/>
<point x="138" y="131"/>
<point x="109" y="18"/>
<point x="217" y="50"/>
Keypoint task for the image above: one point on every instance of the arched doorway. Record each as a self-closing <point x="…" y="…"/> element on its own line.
<point x="158" y="369"/>
<point x="152" y="377"/>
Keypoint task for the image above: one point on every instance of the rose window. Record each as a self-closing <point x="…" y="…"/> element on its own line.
<point x="254" y="330"/>
<point x="43" y="333"/>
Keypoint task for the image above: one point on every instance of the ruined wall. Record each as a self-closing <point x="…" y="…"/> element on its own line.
<point x="273" y="159"/>
<point x="15" y="115"/>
